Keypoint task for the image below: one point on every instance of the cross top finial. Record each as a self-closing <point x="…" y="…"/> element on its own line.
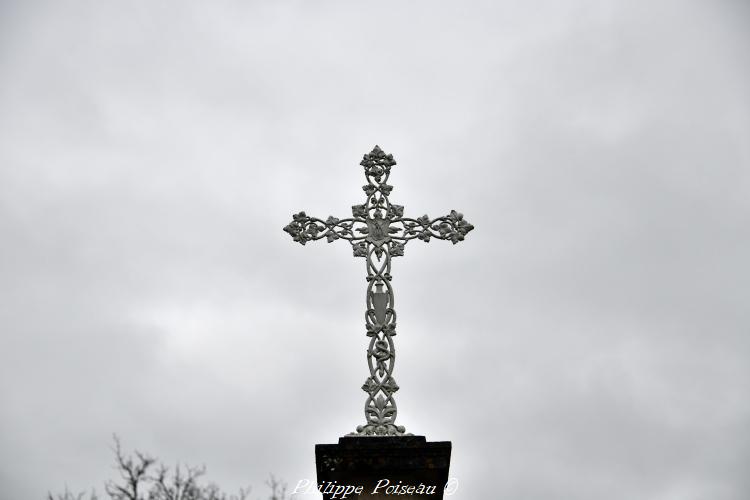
<point x="377" y="163"/>
<point x="378" y="228"/>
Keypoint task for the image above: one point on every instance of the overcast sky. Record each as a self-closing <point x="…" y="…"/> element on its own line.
<point x="588" y="341"/>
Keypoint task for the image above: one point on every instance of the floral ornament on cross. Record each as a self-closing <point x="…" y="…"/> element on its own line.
<point x="378" y="228"/>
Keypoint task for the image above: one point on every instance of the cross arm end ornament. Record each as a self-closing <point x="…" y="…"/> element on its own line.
<point x="451" y="227"/>
<point x="304" y="228"/>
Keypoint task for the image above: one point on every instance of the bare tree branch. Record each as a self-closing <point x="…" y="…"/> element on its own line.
<point x="132" y="472"/>
<point x="278" y="488"/>
<point x="68" y="495"/>
<point x="141" y="477"/>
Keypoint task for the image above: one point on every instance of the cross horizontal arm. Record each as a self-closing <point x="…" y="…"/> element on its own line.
<point x="451" y="227"/>
<point x="304" y="228"/>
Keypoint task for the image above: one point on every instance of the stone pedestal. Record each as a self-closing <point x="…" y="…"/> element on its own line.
<point x="386" y="467"/>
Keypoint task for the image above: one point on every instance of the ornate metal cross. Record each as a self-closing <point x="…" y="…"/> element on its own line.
<point x="378" y="231"/>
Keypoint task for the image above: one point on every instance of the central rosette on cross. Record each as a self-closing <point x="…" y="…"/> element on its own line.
<point x="378" y="229"/>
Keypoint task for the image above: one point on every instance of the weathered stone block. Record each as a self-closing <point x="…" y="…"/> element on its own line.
<point x="383" y="467"/>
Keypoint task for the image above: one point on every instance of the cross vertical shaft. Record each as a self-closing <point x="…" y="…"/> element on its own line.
<point x="378" y="231"/>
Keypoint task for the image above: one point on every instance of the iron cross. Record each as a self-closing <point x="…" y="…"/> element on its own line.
<point x="378" y="231"/>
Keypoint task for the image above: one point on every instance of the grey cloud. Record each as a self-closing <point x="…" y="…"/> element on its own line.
<point x="587" y="340"/>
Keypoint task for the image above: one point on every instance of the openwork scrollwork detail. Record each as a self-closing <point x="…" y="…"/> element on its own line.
<point x="378" y="231"/>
